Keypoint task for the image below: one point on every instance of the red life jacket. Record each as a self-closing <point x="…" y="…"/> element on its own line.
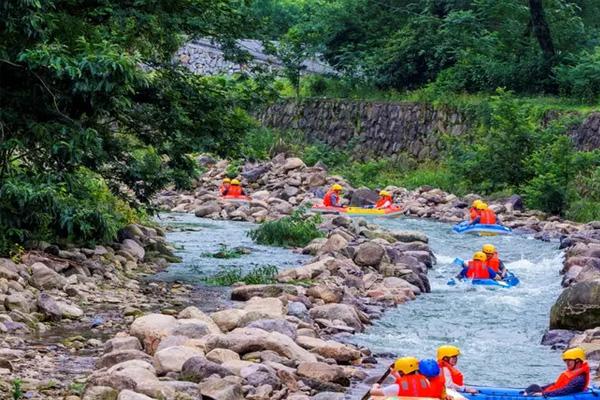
<point x="488" y="217"/>
<point x="474" y="213"/>
<point x="413" y="385"/>
<point x="494" y="263"/>
<point x="224" y="188"/>
<point x="328" y="200"/>
<point x="235" y="190"/>
<point x="437" y="386"/>
<point x="477" y="270"/>
<point x="383" y="200"/>
<point x="457" y="376"/>
<point x="566" y="377"/>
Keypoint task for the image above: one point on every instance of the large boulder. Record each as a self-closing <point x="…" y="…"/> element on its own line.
<point x="48" y="306"/>
<point x="308" y="271"/>
<point x="221" y="356"/>
<point x="246" y="292"/>
<point x="43" y="277"/>
<point x="578" y="307"/>
<point x="336" y="242"/>
<point x="323" y="372"/>
<point x="275" y="325"/>
<point x="329" y="349"/>
<point x="228" y="320"/>
<point x="122" y="343"/>
<point x="221" y="389"/>
<point x="133" y="248"/>
<point x="343" y="312"/>
<point x="131" y="395"/>
<point x="119" y="356"/>
<point x="195" y="313"/>
<point x="363" y="197"/>
<point x="18" y="302"/>
<point x="369" y="254"/>
<point x="410" y="236"/>
<point x="293" y="163"/>
<point x="151" y="328"/>
<point x="269" y="306"/>
<point x="196" y="369"/>
<point x="172" y="359"/>
<point x="100" y="393"/>
<point x="207" y="209"/>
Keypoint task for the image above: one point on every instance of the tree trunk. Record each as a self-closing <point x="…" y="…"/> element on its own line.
<point x="541" y="30"/>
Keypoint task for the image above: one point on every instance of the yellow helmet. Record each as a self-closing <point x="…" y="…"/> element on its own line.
<point x="481" y="206"/>
<point x="480" y="255"/>
<point x="488" y="248"/>
<point x="447" y="351"/>
<point x="476" y="203"/>
<point x="406" y="365"/>
<point x="576" y="353"/>
<point x="384" y="193"/>
<point x="235" y="182"/>
<point x="336" y="187"/>
<point x="226" y="180"/>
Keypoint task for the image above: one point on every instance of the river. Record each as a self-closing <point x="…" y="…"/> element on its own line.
<point x="499" y="331"/>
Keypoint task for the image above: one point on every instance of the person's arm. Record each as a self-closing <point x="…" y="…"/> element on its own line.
<point x="575" y="386"/>
<point x="390" y="390"/>
<point x="476" y="221"/>
<point x="463" y="273"/>
<point x="493" y="274"/>
<point x="450" y="383"/>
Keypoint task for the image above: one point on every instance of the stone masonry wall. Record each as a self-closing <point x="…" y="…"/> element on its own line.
<point x="389" y="129"/>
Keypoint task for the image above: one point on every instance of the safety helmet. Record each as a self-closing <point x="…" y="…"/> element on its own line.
<point x="406" y="365"/>
<point x="226" y="180"/>
<point x="481" y="206"/>
<point x="336" y="187"/>
<point x="476" y="203"/>
<point x="384" y="193"/>
<point x="447" y="351"/>
<point x="576" y="353"/>
<point x="488" y="248"/>
<point x="429" y="368"/>
<point x="235" y="182"/>
<point x="480" y="256"/>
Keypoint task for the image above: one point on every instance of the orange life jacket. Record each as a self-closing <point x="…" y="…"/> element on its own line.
<point x="567" y="376"/>
<point x="328" y="199"/>
<point x="437" y="386"/>
<point x="224" y="188"/>
<point x="494" y="263"/>
<point x="474" y="213"/>
<point x="457" y="376"/>
<point x="488" y="217"/>
<point x="477" y="270"/>
<point x="235" y="190"/>
<point x="383" y="200"/>
<point x="413" y="385"/>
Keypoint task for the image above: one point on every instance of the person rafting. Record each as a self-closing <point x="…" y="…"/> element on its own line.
<point x="409" y="381"/>
<point x="224" y="186"/>
<point x="486" y="216"/>
<point x="574" y="380"/>
<point x="333" y="196"/>
<point x="437" y="382"/>
<point x="385" y="200"/>
<point x="477" y="268"/>
<point x="235" y="189"/>
<point x="447" y="357"/>
<point x="493" y="261"/>
<point x="474" y="211"/>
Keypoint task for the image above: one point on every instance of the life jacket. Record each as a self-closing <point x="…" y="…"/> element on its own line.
<point x="474" y="213"/>
<point x="328" y="200"/>
<point x="235" y="190"/>
<point x="494" y="263"/>
<point x="437" y="386"/>
<point x="223" y="189"/>
<point x="488" y="217"/>
<point x="566" y="377"/>
<point x="477" y="270"/>
<point x="383" y="202"/>
<point x="413" y="385"/>
<point x="457" y="376"/>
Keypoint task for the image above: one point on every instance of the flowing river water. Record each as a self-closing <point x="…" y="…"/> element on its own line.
<point x="499" y="331"/>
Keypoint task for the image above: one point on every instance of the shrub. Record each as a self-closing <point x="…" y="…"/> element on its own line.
<point x="226" y="252"/>
<point x="296" y="230"/>
<point x="581" y="77"/>
<point x="228" y="276"/>
<point x="257" y="144"/>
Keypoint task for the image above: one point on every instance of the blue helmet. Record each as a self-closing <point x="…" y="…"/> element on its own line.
<point x="429" y="368"/>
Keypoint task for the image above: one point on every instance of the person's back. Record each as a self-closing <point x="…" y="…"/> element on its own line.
<point x="488" y="217"/>
<point x="477" y="269"/>
<point x="235" y="189"/>
<point x="332" y="197"/>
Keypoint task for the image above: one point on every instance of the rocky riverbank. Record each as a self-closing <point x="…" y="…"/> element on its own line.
<point x="57" y="307"/>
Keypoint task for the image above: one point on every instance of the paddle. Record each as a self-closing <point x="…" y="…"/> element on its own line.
<point x="379" y="381"/>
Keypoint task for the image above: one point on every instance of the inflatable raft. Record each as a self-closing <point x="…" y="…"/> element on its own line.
<point x="510" y="281"/>
<point x="358" y="211"/>
<point x="236" y="199"/>
<point x="482" y="229"/>
<point x="489" y="393"/>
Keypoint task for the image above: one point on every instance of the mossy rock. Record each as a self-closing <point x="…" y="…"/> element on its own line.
<point x="578" y="307"/>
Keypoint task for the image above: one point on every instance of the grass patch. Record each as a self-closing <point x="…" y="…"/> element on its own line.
<point x="584" y="211"/>
<point x="226" y="252"/>
<point x="17" y="389"/>
<point x="229" y="275"/>
<point x="296" y="230"/>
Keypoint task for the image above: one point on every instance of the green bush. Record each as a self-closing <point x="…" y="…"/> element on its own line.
<point x="581" y="77"/>
<point x="296" y="230"/>
<point x="258" y="143"/>
<point x="228" y="276"/>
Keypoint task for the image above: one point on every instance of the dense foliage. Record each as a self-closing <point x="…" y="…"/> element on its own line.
<point x="95" y="117"/>
<point x="296" y="230"/>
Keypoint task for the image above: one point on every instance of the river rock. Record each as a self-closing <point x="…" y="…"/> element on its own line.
<point x="297" y="309"/>
<point x="172" y="359"/>
<point x="246" y="340"/>
<point x="293" y="163"/>
<point x="18" y="302"/>
<point x="323" y="372"/>
<point x="119" y="356"/>
<point x="222" y="355"/>
<point x="246" y="292"/>
<point x="329" y="349"/>
<point x="578" y="307"/>
<point x="100" y="393"/>
<point x="363" y="197"/>
<point x="410" y="236"/>
<point x="308" y="271"/>
<point x="275" y="325"/>
<point x="228" y="320"/>
<point x="221" y="389"/>
<point x="151" y="328"/>
<point x="131" y="395"/>
<point x="43" y="277"/>
<point x="122" y="343"/>
<point x="269" y="306"/>
<point x="195" y="313"/>
<point x="191" y="328"/>
<point x="196" y="369"/>
<point x="343" y="312"/>
<point x="328" y="396"/>
<point x="207" y="209"/>
<point x="336" y="242"/>
<point x="329" y="294"/>
<point x="558" y="338"/>
<point x="369" y="254"/>
<point x="133" y="248"/>
<point x="69" y="311"/>
<point x="47" y="305"/>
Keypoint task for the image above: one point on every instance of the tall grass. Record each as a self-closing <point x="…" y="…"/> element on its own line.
<point x="229" y="275"/>
<point x="296" y="230"/>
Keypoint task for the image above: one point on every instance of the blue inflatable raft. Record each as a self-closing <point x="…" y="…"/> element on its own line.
<point x="489" y="393"/>
<point x="481" y="229"/>
<point x="510" y="281"/>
